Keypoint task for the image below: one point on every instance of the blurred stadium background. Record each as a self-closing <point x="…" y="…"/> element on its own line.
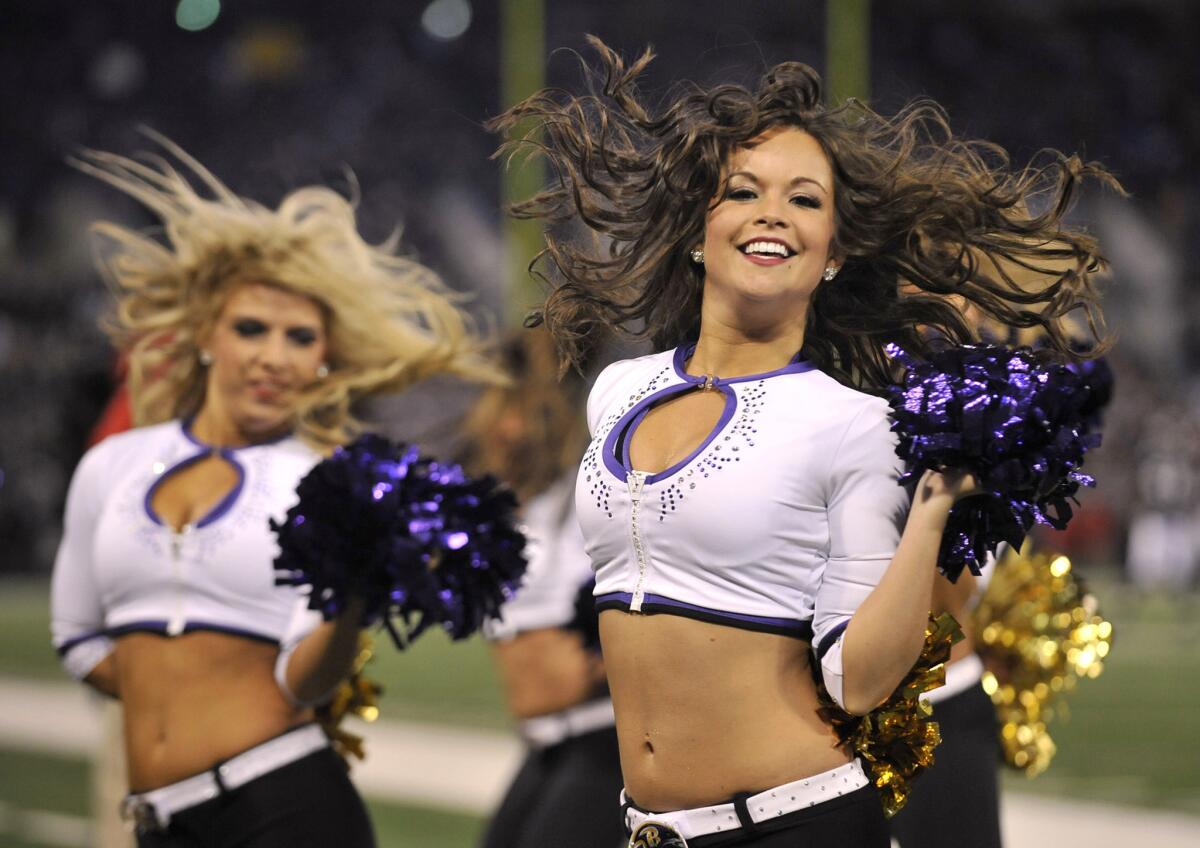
<point x="271" y="94"/>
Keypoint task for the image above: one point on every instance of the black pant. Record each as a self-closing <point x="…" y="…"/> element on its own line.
<point x="851" y="821"/>
<point x="309" y="803"/>
<point x="564" y="795"/>
<point x="957" y="802"/>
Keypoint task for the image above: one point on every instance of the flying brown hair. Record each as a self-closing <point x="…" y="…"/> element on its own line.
<point x="931" y="225"/>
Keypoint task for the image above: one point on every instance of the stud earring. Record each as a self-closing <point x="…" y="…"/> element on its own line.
<point x="322" y="371"/>
<point x="698" y="255"/>
<point x="205" y="358"/>
<point x="830" y="273"/>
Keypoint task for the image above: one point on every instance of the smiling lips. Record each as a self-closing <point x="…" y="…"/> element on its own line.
<point x="767" y="251"/>
<point x="267" y="391"/>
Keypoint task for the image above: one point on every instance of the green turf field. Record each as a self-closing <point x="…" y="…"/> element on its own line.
<point x="1132" y="738"/>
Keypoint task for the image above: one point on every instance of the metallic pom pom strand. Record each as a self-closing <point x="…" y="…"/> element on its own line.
<point x="419" y="540"/>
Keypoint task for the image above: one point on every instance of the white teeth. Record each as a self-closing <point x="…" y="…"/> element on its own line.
<point x="770" y="248"/>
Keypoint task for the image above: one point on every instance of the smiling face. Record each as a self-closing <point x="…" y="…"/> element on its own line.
<point x="769" y="237"/>
<point x="266" y="346"/>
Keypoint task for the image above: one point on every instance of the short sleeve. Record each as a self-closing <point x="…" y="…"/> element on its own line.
<point x="76" y="607"/>
<point x="302" y="622"/>
<point x="867" y="508"/>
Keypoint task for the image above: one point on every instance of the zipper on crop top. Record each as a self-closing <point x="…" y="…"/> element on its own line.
<point x="177" y="621"/>
<point x="637" y="484"/>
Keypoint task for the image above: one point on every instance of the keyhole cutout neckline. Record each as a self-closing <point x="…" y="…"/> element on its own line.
<point x="225" y="503"/>
<point x="616" y="445"/>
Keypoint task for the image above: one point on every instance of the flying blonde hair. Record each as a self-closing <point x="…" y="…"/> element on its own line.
<point x="390" y="321"/>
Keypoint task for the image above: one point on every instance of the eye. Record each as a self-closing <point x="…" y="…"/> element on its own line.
<point x="807" y="201"/>
<point x="740" y="193"/>
<point x="303" y="336"/>
<point x="248" y="327"/>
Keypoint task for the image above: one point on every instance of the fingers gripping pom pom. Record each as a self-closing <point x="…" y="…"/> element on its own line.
<point x="420" y="541"/>
<point x="1020" y="426"/>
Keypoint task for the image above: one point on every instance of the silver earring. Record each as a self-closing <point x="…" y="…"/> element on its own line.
<point x="322" y="371"/>
<point x="205" y="358"/>
<point x="830" y="273"/>
<point x="698" y="255"/>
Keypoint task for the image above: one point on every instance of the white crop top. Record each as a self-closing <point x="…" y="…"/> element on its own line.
<point x="557" y="568"/>
<point x="783" y="520"/>
<point x="119" y="569"/>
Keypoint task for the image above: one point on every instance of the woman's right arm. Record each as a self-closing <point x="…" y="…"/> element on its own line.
<point x="76" y="611"/>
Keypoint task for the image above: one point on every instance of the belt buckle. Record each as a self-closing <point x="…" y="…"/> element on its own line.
<point x="654" y="834"/>
<point x="142" y="814"/>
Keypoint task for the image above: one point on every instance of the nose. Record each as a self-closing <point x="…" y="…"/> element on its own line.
<point x="770" y="211"/>
<point x="273" y="352"/>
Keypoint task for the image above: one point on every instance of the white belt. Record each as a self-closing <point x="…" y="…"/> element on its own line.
<point x="545" y="731"/>
<point x="153" y="809"/>
<point x="961" y="675"/>
<point x="788" y="798"/>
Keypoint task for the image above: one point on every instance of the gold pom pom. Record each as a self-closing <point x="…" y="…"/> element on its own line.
<point x="1039" y="632"/>
<point x="897" y="738"/>
<point x="357" y="695"/>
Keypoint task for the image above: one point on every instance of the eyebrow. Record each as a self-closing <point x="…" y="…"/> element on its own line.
<point x="795" y="181"/>
<point x="245" y="316"/>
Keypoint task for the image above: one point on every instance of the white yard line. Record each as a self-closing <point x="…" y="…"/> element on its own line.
<point x="465" y="770"/>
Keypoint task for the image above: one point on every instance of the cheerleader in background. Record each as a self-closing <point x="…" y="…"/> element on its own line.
<point x="249" y="332"/>
<point x="531" y="434"/>
<point x="963" y="778"/>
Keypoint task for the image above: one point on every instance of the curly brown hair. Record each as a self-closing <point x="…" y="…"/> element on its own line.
<point x="933" y="227"/>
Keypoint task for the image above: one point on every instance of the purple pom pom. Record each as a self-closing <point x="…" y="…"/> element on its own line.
<point x="418" y="539"/>
<point x="1019" y="426"/>
<point x="1097" y="377"/>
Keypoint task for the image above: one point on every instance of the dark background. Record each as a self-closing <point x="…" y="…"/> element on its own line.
<point x="277" y="94"/>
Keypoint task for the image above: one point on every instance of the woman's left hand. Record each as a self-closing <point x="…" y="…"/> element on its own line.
<point x="951" y="484"/>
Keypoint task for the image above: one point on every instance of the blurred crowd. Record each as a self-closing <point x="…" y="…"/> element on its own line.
<point x="380" y="99"/>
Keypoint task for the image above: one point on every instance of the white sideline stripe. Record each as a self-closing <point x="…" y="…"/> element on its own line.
<point x="451" y="768"/>
<point x="465" y="770"/>
<point x="44" y="827"/>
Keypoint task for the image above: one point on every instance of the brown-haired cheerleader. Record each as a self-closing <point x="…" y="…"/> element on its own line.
<point x="739" y="499"/>
<point x="531" y="434"/>
<point x="249" y="332"/>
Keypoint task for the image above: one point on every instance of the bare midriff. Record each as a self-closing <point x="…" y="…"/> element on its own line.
<point x="705" y="711"/>
<point x="193" y="701"/>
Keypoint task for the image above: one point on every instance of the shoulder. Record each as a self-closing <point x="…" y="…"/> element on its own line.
<point x="112" y="457"/>
<point x="287" y="461"/>
<point x="116" y="450"/>
<point x="623" y="378"/>
<point x="844" y="404"/>
<point x="626" y="370"/>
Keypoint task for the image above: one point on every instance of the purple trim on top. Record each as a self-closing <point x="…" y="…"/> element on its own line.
<point x="798" y="365"/>
<point x="630" y="420"/>
<point x="794" y="626"/>
<point x="159" y="628"/>
<point x="830" y="638"/>
<point x="79" y="640"/>
<point x="222" y="506"/>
